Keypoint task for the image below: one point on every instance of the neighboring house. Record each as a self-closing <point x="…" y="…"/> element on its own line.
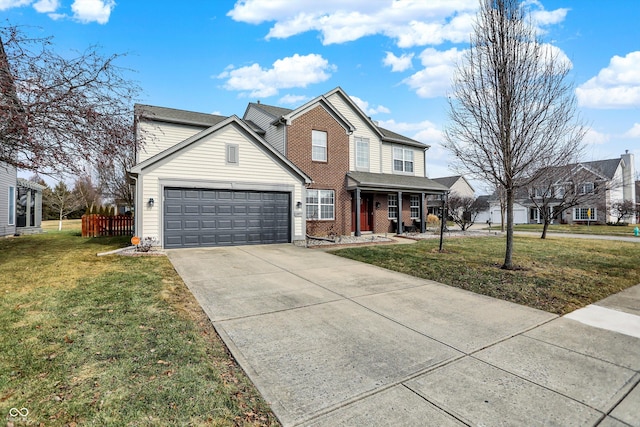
<point x="324" y="168"/>
<point x="20" y="203"/>
<point x="597" y="184"/>
<point x="457" y="185"/>
<point x="8" y="180"/>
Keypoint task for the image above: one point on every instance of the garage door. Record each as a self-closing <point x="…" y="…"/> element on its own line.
<point x="203" y="217"/>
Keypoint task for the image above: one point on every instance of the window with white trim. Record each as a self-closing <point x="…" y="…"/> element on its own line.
<point x="585" y="214"/>
<point x="318" y="146"/>
<point x="558" y="191"/>
<point x="232" y="154"/>
<point x="12" y="206"/>
<point x="320" y="204"/>
<point x="415" y="206"/>
<point x="402" y="160"/>
<point x="585" y="188"/>
<point x="362" y="153"/>
<point x="393" y="206"/>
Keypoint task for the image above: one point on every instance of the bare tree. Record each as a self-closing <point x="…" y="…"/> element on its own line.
<point x="113" y="169"/>
<point x="621" y="209"/>
<point x="62" y="201"/>
<point x="86" y="192"/>
<point x="463" y="210"/>
<point x="57" y="113"/>
<point x="512" y="112"/>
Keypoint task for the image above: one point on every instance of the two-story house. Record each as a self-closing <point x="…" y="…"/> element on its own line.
<point x="577" y="193"/>
<point x="276" y="175"/>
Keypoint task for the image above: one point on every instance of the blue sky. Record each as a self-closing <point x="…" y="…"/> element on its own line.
<point x="395" y="57"/>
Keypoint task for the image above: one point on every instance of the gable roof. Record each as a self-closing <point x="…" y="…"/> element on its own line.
<point x="229" y="121"/>
<point x="449" y="181"/>
<point x="607" y="168"/>
<point x="172" y="115"/>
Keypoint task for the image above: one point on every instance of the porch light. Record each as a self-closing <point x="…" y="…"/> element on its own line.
<point x="150" y="202"/>
<point x="378" y="205"/>
<point x="298" y="205"/>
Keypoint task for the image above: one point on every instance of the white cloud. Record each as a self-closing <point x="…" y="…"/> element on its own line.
<point x="8" y="4"/>
<point x="87" y="11"/>
<point x="400" y="63"/>
<point x="634" y="132"/>
<point x="410" y="22"/>
<point x="369" y="110"/>
<point x="543" y="17"/>
<point x="296" y="71"/>
<point x="593" y="137"/>
<point x="46" y="6"/>
<point x="616" y="86"/>
<point x="424" y="131"/>
<point x="293" y="100"/>
<point x="435" y="79"/>
<point x="339" y="21"/>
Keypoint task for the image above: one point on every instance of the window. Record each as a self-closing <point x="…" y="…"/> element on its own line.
<point x="320" y="204"/>
<point x="558" y="192"/>
<point x="585" y="214"/>
<point x="415" y="206"/>
<point x="232" y="154"/>
<point x="393" y="206"/>
<point x="318" y="146"/>
<point x="12" y="205"/>
<point x="585" y="188"/>
<point x="362" y="153"/>
<point x="402" y="160"/>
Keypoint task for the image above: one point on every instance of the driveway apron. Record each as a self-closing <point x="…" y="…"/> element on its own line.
<point x="330" y="341"/>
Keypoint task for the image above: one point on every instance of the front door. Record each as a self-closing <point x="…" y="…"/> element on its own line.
<point x="366" y="212"/>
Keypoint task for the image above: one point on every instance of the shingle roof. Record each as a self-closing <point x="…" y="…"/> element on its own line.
<point x="395" y="182"/>
<point x="272" y="110"/>
<point x="392" y="136"/>
<point x="605" y="167"/>
<point x="447" y="181"/>
<point x="172" y="115"/>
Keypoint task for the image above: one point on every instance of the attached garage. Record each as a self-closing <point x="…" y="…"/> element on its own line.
<point x="210" y="217"/>
<point x="219" y="186"/>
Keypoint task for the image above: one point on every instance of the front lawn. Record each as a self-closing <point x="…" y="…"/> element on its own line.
<point x="611" y="230"/>
<point x="110" y="340"/>
<point x="557" y="275"/>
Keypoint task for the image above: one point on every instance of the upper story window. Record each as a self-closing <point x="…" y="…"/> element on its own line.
<point x="585" y="188"/>
<point x="558" y="191"/>
<point x="402" y="160"/>
<point x="318" y="146"/>
<point x="362" y="153"/>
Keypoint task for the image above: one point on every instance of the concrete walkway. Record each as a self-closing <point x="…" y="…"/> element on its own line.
<point x="330" y="342"/>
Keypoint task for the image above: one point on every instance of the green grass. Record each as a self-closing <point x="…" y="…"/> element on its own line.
<point x="557" y="275"/>
<point x="618" y="230"/>
<point x="110" y="340"/>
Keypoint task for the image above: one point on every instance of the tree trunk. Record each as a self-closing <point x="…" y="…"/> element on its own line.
<point x="544" y="229"/>
<point x="60" y="221"/>
<point x="508" y="261"/>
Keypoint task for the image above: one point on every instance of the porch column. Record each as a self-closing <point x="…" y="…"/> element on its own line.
<point x="400" y="227"/>
<point x="357" y="211"/>
<point x="423" y="225"/>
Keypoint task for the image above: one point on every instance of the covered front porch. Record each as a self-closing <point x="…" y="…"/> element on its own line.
<point x="384" y="203"/>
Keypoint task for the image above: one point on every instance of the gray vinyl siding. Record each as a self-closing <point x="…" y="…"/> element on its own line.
<point x="8" y="178"/>
<point x="275" y="135"/>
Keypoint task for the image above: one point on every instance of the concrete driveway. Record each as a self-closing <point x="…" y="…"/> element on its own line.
<point x="330" y="341"/>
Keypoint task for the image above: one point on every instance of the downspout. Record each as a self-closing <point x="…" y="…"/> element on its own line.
<point x="426" y="174"/>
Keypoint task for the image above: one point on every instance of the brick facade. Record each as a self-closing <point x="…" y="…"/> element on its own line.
<point x="329" y="175"/>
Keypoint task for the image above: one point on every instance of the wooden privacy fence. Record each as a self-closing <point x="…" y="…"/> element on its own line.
<point x="96" y="225"/>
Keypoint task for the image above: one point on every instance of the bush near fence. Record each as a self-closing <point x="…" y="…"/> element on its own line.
<point x="96" y="225"/>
